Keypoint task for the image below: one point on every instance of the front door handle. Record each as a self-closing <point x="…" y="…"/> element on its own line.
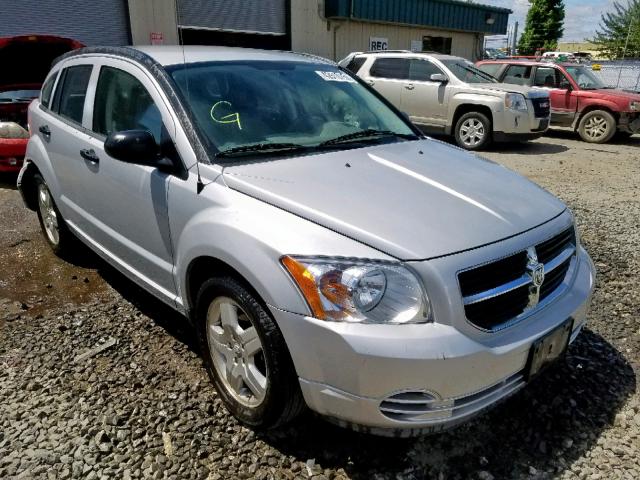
<point x="89" y="154"/>
<point x="371" y="82"/>
<point x="409" y="86"/>
<point x="44" y="130"/>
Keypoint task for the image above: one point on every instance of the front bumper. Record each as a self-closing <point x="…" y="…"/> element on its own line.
<point x="347" y="371"/>
<point x="510" y="125"/>
<point x="629" y="122"/>
<point x="12" y="154"/>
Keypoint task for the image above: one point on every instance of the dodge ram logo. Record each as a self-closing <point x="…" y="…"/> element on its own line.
<point x="535" y="270"/>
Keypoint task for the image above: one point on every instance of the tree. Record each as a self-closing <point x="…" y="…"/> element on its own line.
<point x="543" y="28"/>
<point x="618" y="35"/>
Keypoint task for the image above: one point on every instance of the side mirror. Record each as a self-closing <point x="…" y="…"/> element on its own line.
<point x="438" y="77"/>
<point x="133" y="146"/>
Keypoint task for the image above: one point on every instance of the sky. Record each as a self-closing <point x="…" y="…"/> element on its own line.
<point x="581" y="20"/>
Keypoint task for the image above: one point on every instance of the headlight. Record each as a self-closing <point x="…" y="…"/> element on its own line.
<point x="634" y="106"/>
<point x="515" y="101"/>
<point x="12" y="130"/>
<point x="359" y="290"/>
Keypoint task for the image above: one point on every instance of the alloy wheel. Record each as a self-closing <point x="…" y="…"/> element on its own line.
<point x="237" y="352"/>
<point x="596" y="127"/>
<point x="472" y="132"/>
<point x="48" y="214"/>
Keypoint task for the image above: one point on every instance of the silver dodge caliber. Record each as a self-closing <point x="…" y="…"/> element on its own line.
<point x="327" y="253"/>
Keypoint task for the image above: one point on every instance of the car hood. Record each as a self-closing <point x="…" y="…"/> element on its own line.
<point x="27" y="59"/>
<point x="412" y="200"/>
<point x="617" y="93"/>
<point x="512" y="88"/>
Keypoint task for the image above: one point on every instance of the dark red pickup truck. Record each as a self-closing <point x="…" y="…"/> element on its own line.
<point x="579" y="99"/>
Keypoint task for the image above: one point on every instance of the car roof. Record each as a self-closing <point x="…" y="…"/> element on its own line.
<point x="408" y="53"/>
<point x="176" y="54"/>
<point x="515" y="61"/>
<point x="166" y="55"/>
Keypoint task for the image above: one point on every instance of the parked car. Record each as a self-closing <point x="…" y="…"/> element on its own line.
<point x="326" y="252"/>
<point x="445" y="94"/>
<point x="20" y="82"/>
<point x="579" y="99"/>
<point x="561" y="56"/>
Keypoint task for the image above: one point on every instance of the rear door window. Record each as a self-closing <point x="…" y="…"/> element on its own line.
<point x="546" y="77"/>
<point x="70" y="95"/>
<point x="123" y="103"/>
<point x="421" y="70"/>
<point x="47" y="89"/>
<point x="394" y="68"/>
<point x="517" y="74"/>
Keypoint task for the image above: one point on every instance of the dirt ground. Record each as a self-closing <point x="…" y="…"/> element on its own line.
<point x="145" y="409"/>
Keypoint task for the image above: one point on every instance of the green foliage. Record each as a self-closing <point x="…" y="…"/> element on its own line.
<point x="615" y="26"/>
<point x="544" y="27"/>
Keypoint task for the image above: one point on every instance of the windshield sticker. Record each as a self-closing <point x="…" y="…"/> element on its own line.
<point x="229" y="118"/>
<point x="335" y="76"/>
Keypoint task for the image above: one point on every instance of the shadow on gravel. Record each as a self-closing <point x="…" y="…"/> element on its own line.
<point x="522" y="148"/>
<point x="8" y="180"/>
<point x="553" y="421"/>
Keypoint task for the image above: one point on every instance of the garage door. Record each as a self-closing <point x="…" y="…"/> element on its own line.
<point x="98" y="22"/>
<point x="247" y="16"/>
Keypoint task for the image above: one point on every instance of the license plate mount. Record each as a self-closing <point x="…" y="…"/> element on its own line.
<point x="549" y="348"/>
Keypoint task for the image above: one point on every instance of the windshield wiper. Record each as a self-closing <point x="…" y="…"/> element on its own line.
<point x="369" y="133"/>
<point x="261" y="148"/>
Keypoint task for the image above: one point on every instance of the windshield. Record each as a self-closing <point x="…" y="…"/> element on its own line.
<point x="18" y="95"/>
<point x="283" y="104"/>
<point x="585" y="78"/>
<point x="467" y="71"/>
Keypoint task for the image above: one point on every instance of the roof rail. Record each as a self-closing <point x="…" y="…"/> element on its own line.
<point x="387" y="51"/>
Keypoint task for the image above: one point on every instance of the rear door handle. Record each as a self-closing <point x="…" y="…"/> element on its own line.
<point x="409" y="86"/>
<point x="89" y="154"/>
<point x="44" y="130"/>
<point x="371" y="82"/>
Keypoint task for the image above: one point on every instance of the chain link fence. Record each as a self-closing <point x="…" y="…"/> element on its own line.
<point x="624" y="75"/>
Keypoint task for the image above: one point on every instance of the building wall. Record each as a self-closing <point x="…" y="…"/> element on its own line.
<point x="312" y="33"/>
<point x="153" y="16"/>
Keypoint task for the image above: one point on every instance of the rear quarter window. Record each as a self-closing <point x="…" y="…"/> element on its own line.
<point x="47" y="90"/>
<point x="355" y="64"/>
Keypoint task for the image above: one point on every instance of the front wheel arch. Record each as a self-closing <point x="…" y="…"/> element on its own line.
<point x="27" y="185"/>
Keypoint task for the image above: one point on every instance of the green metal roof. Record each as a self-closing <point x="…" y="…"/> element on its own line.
<point x="445" y="14"/>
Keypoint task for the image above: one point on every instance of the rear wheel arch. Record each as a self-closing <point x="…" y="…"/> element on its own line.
<point x="28" y="185"/>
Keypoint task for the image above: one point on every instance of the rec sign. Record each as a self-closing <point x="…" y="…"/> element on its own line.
<point x="378" y="43"/>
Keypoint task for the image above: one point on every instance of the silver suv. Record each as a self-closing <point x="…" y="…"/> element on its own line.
<point x="326" y="252"/>
<point x="445" y="94"/>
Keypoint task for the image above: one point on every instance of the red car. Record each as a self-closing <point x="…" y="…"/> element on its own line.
<point x="24" y="63"/>
<point x="579" y="99"/>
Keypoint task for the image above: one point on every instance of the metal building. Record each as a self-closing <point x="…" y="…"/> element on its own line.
<point x="330" y="28"/>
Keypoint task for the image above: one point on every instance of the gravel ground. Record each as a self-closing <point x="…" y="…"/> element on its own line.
<point x="143" y="406"/>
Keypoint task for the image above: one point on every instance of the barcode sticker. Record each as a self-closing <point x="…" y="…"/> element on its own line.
<point x="335" y="76"/>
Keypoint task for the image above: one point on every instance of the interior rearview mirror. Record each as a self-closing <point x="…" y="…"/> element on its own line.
<point x="438" y="77"/>
<point x="132" y="146"/>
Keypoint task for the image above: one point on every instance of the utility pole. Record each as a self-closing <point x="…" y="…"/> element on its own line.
<point x="514" y="38"/>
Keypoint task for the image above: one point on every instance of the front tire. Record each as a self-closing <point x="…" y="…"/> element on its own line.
<point x="245" y="355"/>
<point x="54" y="228"/>
<point x="597" y="126"/>
<point x="473" y="131"/>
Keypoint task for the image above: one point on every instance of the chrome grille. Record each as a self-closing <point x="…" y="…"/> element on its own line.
<point x="541" y="107"/>
<point x="501" y="292"/>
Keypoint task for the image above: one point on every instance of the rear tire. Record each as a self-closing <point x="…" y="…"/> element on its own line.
<point x="473" y="131"/>
<point x="597" y="126"/>
<point x="54" y="229"/>
<point x="246" y="356"/>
